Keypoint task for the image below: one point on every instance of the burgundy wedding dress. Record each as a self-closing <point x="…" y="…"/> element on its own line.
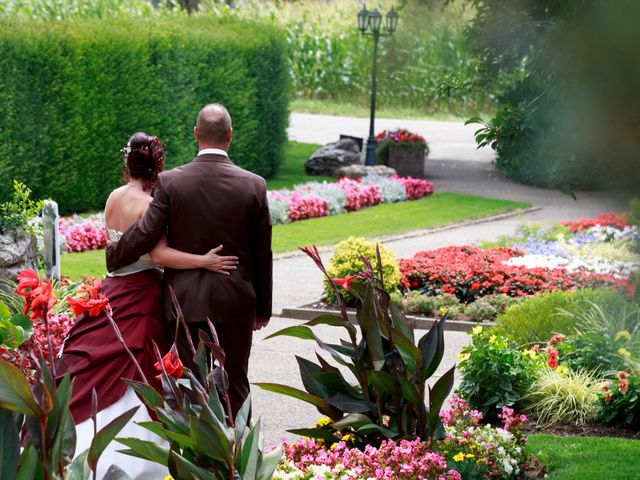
<point x="98" y="360"/>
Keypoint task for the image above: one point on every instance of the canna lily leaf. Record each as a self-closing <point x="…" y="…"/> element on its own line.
<point x="186" y="469"/>
<point x="331" y="320"/>
<point x="350" y="404"/>
<point x="368" y="320"/>
<point x="437" y="395"/>
<point x="115" y="473"/>
<point x="298" y="331"/>
<point x="401" y="323"/>
<point x="9" y="443"/>
<point x="353" y="420"/>
<point x="151" y="397"/>
<point x="250" y="455"/>
<point x="411" y="355"/>
<point x="78" y="470"/>
<point x="15" y="394"/>
<point x="432" y="347"/>
<point x="325" y="433"/>
<point x="145" y="449"/>
<point x="320" y="403"/>
<point x="269" y="463"/>
<point x="106" y="435"/>
<point x="155" y="427"/>
<point x="410" y="393"/>
<point x="242" y="418"/>
<point x="385" y="382"/>
<point x="209" y="440"/>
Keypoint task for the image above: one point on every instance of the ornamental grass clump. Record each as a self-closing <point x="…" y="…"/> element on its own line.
<point x="347" y="260"/>
<point x="563" y="396"/>
<point x="390" y="399"/>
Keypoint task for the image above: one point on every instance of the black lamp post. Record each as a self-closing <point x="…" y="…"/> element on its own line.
<point x="369" y="23"/>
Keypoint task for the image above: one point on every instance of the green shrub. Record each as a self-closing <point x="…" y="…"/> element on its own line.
<point x="604" y="342"/>
<point x="347" y="260"/>
<point x="537" y="318"/>
<point x="495" y="372"/>
<point x="72" y="93"/>
<point x="16" y="213"/>
<point x="619" y="401"/>
<point x="563" y="397"/>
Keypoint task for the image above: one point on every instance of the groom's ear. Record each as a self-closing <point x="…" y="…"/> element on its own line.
<point x="195" y="133"/>
<point x="230" y="135"/>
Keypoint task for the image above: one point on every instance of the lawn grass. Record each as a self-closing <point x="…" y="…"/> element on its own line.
<point x="328" y="107"/>
<point x="388" y="219"/>
<point x="292" y="171"/>
<point x="577" y="458"/>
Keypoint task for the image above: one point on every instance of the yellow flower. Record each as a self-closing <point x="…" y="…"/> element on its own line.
<point x="168" y="477"/>
<point x="463" y="356"/>
<point x="623" y="352"/>
<point x="470" y="455"/>
<point x="562" y="370"/>
<point x="477" y="330"/>
<point x="346" y="437"/>
<point x="530" y="353"/>
<point x="458" y="457"/>
<point x="623" y="335"/>
<point x="333" y="445"/>
<point x="323" y="421"/>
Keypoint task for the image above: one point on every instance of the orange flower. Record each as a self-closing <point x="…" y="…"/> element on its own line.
<point x="344" y="282"/>
<point x="621" y="375"/>
<point x="623" y="386"/>
<point x="607" y="398"/>
<point x="89" y="301"/>
<point x="171" y="363"/>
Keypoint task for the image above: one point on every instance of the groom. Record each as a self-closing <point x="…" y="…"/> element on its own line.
<point x="205" y="203"/>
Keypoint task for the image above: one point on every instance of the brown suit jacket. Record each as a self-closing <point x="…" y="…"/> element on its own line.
<point x="201" y="205"/>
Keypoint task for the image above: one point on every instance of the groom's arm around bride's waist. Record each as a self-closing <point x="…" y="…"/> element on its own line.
<point x="142" y="236"/>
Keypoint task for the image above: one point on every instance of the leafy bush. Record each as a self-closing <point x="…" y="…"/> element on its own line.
<point x="495" y="372"/>
<point x="537" y="318"/>
<point x="97" y="82"/>
<point x="619" y="401"/>
<point x="557" y="397"/>
<point x="15" y="214"/>
<point x="347" y="260"/>
<point x="391" y="399"/>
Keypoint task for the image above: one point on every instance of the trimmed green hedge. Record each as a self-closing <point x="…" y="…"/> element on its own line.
<point x="71" y="94"/>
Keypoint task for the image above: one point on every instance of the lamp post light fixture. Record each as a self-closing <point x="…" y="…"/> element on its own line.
<point x="370" y="23"/>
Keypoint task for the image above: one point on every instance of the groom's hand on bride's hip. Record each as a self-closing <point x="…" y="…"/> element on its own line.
<point x="260" y="323"/>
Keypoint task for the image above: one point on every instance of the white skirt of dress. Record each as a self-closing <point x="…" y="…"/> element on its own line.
<point x="136" y="468"/>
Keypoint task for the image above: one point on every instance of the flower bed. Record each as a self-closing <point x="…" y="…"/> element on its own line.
<point x="315" y="199"/>
<point x="80" y="234"/>
<point x="469" y="273"/>
<point x="469" y="450"/>
<point x="596" y="253"/>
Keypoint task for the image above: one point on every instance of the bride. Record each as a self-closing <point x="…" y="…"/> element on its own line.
<point x="91" y="352"/>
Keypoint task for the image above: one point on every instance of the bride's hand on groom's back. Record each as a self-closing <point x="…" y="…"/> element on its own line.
<point x="219" y="263"/>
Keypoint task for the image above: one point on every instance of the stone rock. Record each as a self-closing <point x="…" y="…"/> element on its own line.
<point x="357" y="171"/>
<point x="17" y="252"/>
<point x="333" y="156"/>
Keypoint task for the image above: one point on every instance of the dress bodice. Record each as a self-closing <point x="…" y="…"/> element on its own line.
<point x="143" y="263"/>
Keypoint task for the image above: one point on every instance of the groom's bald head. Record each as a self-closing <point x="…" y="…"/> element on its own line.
<point x="213" y="127"/>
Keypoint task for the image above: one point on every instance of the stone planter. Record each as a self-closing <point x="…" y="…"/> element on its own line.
<point x="407" y="160"/>
<point x="17" y="252"/>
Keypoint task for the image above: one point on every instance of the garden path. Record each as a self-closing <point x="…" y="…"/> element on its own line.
<point x="455" y="166"/>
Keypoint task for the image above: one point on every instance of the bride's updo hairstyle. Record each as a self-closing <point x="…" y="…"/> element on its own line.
<point x="143" y="159"/>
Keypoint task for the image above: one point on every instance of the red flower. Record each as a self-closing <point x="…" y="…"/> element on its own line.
<point x="27" y="281"/>
<point x="344" y="282"/>
<point x="552" y="361"/>
<point x="556" y="339"/>
<point x="171" y="363"/>
<point x="42" y="299"/>
<point x="90" y="301"/>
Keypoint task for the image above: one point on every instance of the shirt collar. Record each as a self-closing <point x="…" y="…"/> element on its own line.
<point x="213" y="151"/>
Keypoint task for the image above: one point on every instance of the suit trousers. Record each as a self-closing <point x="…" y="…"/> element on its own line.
<point x="235" y="340"/>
